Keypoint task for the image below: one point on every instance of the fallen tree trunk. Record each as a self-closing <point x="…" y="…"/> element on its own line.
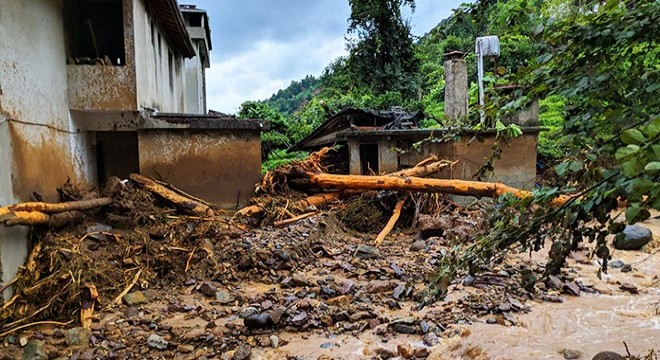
<point x="390" y="224"/>
<point x="50" y="208"/>
<point x="424" y="168"/>
<point x="34" y="218"/>
<point x="393" y="183"/>
<point x="182" y="202"/>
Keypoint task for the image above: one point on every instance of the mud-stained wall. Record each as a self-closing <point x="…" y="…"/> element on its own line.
<point x="516" y="166"/>
<point x="221" y="166"/>
<point x="39" y="144"/>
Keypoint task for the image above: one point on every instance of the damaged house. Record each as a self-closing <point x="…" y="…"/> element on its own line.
<point x="96" y="88"/>
<point x="380" y="142"/>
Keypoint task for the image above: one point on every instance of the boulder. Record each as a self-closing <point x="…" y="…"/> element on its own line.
<point x="633" y="238"/>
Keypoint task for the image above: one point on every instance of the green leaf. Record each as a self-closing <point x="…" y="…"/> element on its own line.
<point x="632" y="136"/>
<point x="626" y="151"/>
<point x="632" y="212"/>
<point x="631" y="168"/>
<point x="561" y="168"/>
<point x="656" y="150"/>
<point x="652" y="167"/>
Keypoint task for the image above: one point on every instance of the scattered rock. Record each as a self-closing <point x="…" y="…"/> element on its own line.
<point x="135" y="298"/>
<point x="468" y="280"/>
<point x="77" y="336"/>
<point x="629" y="287"/>
<point x="207" y="289"/>
<point x="607" y="355"/>
<point x="634" y="237"/>
<point x="185" y="349"/>
<point x="555" y="283"/>
<point x="571" y="354"/>
<point x="384" y="353"/>
<point x="274" y="341"/>
<point x="300" y="318"/>
<point x="297" y="280"/>
<point x="422" y="353"/>
<point x="247" y="312"/>
<point x="327" y="345"/>
<point x="418" y="245"/>
<point x="35" y="350"/>
<point x="626" y="268"/>
<point x="616" y="264"/>
<point x="431" y="339"/>
<point x="367" y="252"/>
<point x="23" y="341"/>
<point x="404" y="328"/>
<point x="405" y="351"/>
<point x="223" y="296"/>
<point x="242" y="352"/>
<point x="157" y="342"/>
<point x="573" y="288"/>
<point x="258" y="321"/>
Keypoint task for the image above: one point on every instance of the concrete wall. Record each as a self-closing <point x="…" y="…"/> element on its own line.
<point x="195" y="98"/>
<point x="152" y="65"/>
<point x="220" y="166"/>
<point x="39" y="144"/>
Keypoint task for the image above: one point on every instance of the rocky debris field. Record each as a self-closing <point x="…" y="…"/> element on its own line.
<point x="312" y="290"/>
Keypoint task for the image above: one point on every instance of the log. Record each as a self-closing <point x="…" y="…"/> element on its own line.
<point x="390" y="224"/>
<point x="422" y="169"/>
<point x="50" y="208"/>
<point x="88" y="298"/>
<point x="180" y="201"/>
<point x="392" y="183"/>
<point x="34" y="218"/>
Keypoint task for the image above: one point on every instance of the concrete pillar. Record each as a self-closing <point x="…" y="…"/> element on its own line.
<point x="388" y="161"/>
<point x="354" y="167"/>
<point x="456" y="88"/>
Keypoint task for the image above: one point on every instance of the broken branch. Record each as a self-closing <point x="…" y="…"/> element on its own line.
<point x="182" y="202"/>
<point x="293" y="219"/>
<point x="390" y="224"/>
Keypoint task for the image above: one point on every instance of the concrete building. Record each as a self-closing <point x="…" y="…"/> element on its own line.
<point x="86" y="87"/>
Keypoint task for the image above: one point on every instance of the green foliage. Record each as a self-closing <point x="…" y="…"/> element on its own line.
<point x="602" y="63"/>
<point x="551" y="117"/>
<point x="297" y="94"/>
<point x="280" y="157"/>
<point x="382" y="57"/>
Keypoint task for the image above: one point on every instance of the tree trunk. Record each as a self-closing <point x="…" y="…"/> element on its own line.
<point x="182" y="202"/>
<point x="390" y="224"/>
<point x="392" y="183"/>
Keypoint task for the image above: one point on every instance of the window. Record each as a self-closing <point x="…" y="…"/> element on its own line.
<point x="94" y="31"/>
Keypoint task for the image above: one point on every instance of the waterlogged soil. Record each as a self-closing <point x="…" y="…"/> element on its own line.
<point x="315" y="290"/>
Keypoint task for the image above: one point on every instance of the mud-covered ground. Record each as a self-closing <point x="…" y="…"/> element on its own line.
<point x="316" y="290"/>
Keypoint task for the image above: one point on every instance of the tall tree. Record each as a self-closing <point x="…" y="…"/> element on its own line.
<point x="382" y="57"/>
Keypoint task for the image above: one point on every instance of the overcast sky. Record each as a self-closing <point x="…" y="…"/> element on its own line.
<point x="260" y="46"/>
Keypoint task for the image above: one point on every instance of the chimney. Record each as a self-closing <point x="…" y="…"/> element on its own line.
<point x="456" y="85"/>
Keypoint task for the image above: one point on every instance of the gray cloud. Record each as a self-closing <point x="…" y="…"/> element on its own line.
<point x="260" y="46"/>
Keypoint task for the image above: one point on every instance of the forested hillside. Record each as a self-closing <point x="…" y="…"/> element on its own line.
<point x="418" y="82"/>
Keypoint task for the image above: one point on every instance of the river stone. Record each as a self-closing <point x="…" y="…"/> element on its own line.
<point x="77" y="336"/>
<point x="572" y="354"/>
<point x="418" y="245"/>
<point x="616" y="264"/>
<point x="635" y="236"/>
<point x="248" y="311"/>
<point x="156" y="342"/>
<point x="607" y="355"/>
<point x="35" y="350"/>
<point x="135" y="298"/>
<point x="242" y="352"/>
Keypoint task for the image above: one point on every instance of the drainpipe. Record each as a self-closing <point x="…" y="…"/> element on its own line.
<point x="485" y="46"/>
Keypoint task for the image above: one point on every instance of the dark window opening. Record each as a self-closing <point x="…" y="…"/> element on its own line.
<point x="193" y="19"/>
<point x="369" y="158"/>
<point x="116" y="154"/>
<point x="94" y="31"/>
